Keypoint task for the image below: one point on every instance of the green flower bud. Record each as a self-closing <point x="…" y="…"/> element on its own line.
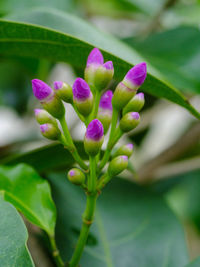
<point x="63" y="91"/>
<point x="135" y="104"/>
<point x="42" y="117"/>
<point x="117" y="165"/>
<point x="126" y="150"/>
<point x="129" y="121"/>
<point x="50" y="131"/>
<point x="76" y="176"/>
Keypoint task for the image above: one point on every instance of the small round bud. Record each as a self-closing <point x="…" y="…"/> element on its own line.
<point x="117" y="165"/>
<point x="126" y="150"/>
<point x="135" y="104"/>
<point x="48" y="98"/>
<point x="94" y="137"/>
<point x="136" y="76"/>
<point x="82" y="96"/>
<point x="105" y="110"/>
<point x="76" y="176"/>
<point x="50" y="131"/>
<point x="63" y="91"/>
<point x="97" y="73"/>
<point x="42" y="116"/>
<point x="129" y="121"/>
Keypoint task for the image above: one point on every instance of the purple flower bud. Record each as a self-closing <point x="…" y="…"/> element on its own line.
<point x="95" y="57"/>
<point x="63" y="91"/>
<point x="108" y="65"/>
<point x="129" y="121"/>
<point x="106" y="100"/>
<point x="76" y="176"/>
<point x="126" y="150"/>
<point x="58" y="85"/>
<point x="41" y="90"/>
<point x="135" y="104"/>
<point x="94" y="137"/>
<point x="117" y="165"/>
<point x="94" y="130"/>
<point x="42" y="117"/>
<point x="136" y="76"/>
<point x="50" y="131"/>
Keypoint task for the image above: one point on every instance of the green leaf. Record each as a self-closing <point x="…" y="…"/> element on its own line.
<point x="176" y="54"/>
<point x="195" y="263"/>
<point x="63" y="37"/>
<point x="47" y="158"/>
<point x="133" y="227"/>
<point x="30" y="194"/>
<point x="13" y="233"/>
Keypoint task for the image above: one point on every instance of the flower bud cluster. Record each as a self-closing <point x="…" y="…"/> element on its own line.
<point x="98" y="113"/>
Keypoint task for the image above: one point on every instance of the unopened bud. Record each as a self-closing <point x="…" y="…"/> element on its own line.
<point x="63" y="91"/>
<point x="105" y="110"/>
<point x="42" y="116"/>
<point x="97" y="73"/>
<point x="135" y="104"/>
<point x="82" y="96"/>
<point x="50" y="131"/>
<point x="76" y="176"/>
<point x="126" y="150"/>
<point x="117" y="165"/>
<point x="94" y="137"/>
<point x="129" y="121"/>
<point x="48" y="98"/>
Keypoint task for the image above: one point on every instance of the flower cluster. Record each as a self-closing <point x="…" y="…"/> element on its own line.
<point x="97" y="108"/>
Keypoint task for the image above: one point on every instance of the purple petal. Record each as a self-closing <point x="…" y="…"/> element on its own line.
<point x="139" y="96"/>
<point x="137" y="74"/>
<point x="129" y="146"/>
<point x="41" y="90"/>
<point x="106" y="100"/>
<point x="81" y="89"/>
<point x="95" y="57"/>
<point x="125" y="158"/>
<point x="94" y="130"/>
<point x="108" y="65"/>
<point x="57" y="85"/>
<point x="72" y="173"/>
<point x="135" y="115"/>
<point x="37" y="111"/>
<point x="44" y="128"/>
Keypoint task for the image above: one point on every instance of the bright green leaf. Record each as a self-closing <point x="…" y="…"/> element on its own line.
<point x="63" y="37"/>
<point x="30" y="194"/>
<point x="132" y="227"/>
<point x="13" y="238"/>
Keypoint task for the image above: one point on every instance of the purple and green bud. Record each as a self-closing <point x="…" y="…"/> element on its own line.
<point x="97" y="73"/>
<point x="48" y="98"/>
<point x="135" y="104"/>
<point x="76" y="176"/>
<point x="63" y="91"/>
<point x="126" y="150"/>
<point x="42" y="116"/>
<point x="117" y="165"/>
<point x="129" y="121"/>
<point x="105" y="110"/>
<point x="82" y="97"/>
<point x="50" y="131"/>
<point x="129" y="86"/>
<point x="94" y="137"/>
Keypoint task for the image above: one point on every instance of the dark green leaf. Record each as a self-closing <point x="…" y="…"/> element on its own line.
<point x="64" y="37"/>
<point x="132" y="227"/>
<point x="13" y="233"/>
<point x="175" y="53"/>
<point x="30" y="194"/>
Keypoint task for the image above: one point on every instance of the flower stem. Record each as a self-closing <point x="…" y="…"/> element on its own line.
<point x="88" y="214"/>
<point x="68" y="142"/>
<point x="55" y="252"/>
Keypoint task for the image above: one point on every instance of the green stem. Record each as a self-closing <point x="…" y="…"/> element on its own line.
<point x="68" y="142"/>
<point x="109" y="147"/>
<point x="78" y="114"/>
<point x="55" y="252"/>
<point x="88" y="215"/>
<point x="103" y="181"/>
<point x="95" y="108"/>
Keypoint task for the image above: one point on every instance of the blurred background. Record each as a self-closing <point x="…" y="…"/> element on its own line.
<point x="167" y="142"/>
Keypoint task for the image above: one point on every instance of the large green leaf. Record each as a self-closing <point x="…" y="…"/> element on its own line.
<point x="63" y="37"/>
<point x="46" y="158"/>
<point x="30" y="194"/>
<point x="132" y="227"/>
<point x="13" y="238"/>
<point x="195" y="263"/>
<point x="176" y="54"/>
